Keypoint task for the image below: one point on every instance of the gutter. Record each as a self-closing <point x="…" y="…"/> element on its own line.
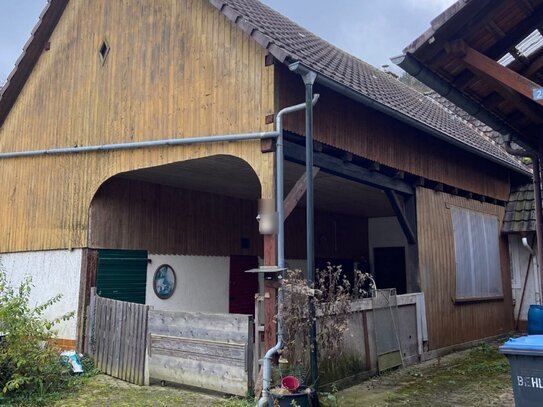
<point x="414" y="68"/>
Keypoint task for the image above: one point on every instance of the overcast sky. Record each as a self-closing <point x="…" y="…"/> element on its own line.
<point x="372" y="30"/>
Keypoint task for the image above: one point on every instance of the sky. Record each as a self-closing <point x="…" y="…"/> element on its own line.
<point x="372" y="30"/>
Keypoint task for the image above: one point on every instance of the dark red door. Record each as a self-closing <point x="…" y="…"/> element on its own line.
<point x="243" y="286"/>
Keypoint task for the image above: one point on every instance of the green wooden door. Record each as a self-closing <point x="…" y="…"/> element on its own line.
<point x="122" y="275"/>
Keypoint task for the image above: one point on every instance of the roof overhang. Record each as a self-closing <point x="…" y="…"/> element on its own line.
<point x="486" y="56"/>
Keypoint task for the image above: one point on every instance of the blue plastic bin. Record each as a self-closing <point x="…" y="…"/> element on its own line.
<point x="535" y="320"/>
<point x="525" y="356"/>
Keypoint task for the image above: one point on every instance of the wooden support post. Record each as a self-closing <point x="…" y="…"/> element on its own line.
<point x="297" y="192"/>
<point x="270" y="250"/>
<point x="412" y="251"/>
<point x="402" y="219"/>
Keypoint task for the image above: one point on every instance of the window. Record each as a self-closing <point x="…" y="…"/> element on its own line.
<point x="478" y="270"/>
<point x="104" y="51"/>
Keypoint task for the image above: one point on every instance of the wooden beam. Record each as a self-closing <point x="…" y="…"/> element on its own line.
<point x="535" y="66"/>
<point x="492" y="69"/>
<point x="375" y="166"/>
<point x="516" y="35"/>
<point x="297" y="192"/>
<point x="336" y="166"/>
<point x="402" y="218"/>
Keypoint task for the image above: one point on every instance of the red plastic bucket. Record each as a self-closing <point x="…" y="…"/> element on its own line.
<point x="290" y="383"/>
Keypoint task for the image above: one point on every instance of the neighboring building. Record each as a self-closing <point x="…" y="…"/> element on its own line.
<point x="404" y="186"/>
<point x="519" y="224"/>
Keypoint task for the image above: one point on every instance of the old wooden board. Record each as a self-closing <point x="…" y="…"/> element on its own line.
<point x="210" y="351"/>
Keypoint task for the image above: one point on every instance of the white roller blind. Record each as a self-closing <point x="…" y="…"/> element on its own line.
<point x="476" y="244"/>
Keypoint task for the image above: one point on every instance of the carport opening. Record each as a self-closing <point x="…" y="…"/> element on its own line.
<point x="355" y="227"/>
<point x="179" y="236"/>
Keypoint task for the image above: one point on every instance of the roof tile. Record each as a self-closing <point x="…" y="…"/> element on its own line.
<point x="291" y="43"/>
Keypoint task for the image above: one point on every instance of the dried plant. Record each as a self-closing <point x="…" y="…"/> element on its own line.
<point x="332" y="296"/>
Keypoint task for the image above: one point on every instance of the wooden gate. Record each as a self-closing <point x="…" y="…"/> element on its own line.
<point x="210" y="351"/>
<point x="118" y="343"/>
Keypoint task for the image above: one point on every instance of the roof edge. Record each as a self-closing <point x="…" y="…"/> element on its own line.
<point x="32" y="50"/>
<point x="359" y="97"/>
<point x="413" y="67"/>
<point x="250" y="29"/>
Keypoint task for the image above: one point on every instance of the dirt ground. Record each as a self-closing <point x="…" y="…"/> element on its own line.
<point x="473" y="378"/>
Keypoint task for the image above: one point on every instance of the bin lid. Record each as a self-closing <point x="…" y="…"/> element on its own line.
<point x="529" y="342"/>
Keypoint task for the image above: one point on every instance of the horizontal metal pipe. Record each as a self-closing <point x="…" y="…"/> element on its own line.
<point x="142" y="144"/>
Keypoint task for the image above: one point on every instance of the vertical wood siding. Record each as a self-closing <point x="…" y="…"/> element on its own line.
<point x="450" y="323"/>
<point x="175" y="69"/>
<point x="135" y="215"/>
<point x="353" y="127"/>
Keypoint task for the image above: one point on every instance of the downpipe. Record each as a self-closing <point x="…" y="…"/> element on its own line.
<point x="279" y="196"/>
<point x="536" y="282"/>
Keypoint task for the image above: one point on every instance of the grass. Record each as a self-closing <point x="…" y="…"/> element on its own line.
<point x="479" y="377"/>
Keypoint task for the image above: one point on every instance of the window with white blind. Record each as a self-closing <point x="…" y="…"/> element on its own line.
<point x="476" y="244"/>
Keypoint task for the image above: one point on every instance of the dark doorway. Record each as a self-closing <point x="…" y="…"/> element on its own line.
<point x="389" y="268"/>
<point x="243" y="286"/>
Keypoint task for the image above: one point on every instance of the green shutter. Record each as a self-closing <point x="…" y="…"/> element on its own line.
<point x="122" y="275"/>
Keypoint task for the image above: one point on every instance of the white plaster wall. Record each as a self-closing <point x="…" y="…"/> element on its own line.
<point x="384" y="232"/>
<point x="52" y="272"/>
<point x="203" y="283"/>
<point x="519" y="257"/>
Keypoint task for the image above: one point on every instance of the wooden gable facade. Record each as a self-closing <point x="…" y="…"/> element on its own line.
<point x="161" y="79"/>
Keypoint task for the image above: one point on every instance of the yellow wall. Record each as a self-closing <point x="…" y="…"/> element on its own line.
<point x="176" y="68"/>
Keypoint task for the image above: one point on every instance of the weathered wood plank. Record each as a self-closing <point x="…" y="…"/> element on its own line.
<point x="220" y="327"/>
<point x="213" y="376"/>
<point x="199" y="349"/>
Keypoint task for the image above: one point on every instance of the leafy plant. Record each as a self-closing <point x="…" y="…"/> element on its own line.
<point x="30" y="368"/>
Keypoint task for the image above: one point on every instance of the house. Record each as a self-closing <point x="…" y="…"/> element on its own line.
<point x="485" y="57"/>
<point x="100" y="191"/>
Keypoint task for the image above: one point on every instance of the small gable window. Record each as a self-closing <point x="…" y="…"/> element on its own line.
<point x="104" y="51"/>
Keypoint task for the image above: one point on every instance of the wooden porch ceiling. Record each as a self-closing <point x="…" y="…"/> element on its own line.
<point x="232" y="177"/>
<point x="492" y="52"/>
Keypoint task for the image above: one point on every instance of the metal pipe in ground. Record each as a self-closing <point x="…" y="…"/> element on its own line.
<point x="538" y="213"/>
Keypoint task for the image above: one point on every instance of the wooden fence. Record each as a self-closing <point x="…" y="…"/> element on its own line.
<point x="118" y="338"/>
<point x="210" y="351"/>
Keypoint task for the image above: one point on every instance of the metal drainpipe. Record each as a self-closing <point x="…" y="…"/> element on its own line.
<point x="309" y="78"/>
<point x="536" y="161"/>
<point x="279" y="181"/>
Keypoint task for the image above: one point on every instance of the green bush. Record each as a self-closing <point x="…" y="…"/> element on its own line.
<point x="30" y="369"/>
